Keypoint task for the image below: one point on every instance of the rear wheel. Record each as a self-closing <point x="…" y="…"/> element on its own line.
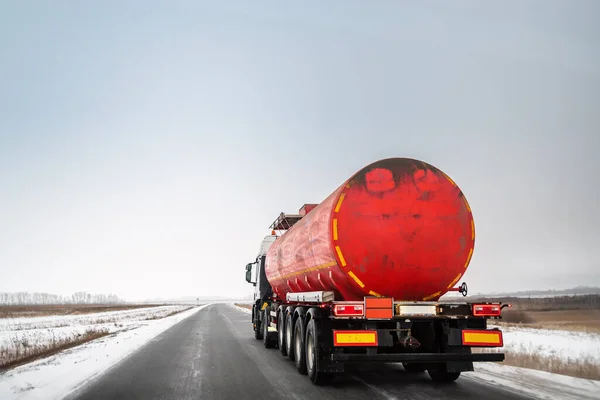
<point x="441" y="374"/>
<point x="414" y="368"/>
<point x="312" y="355"/>
<point x="299" y="346"/>
<point x="267" y="336"/>
<point x="281" y="333"/>
<point x="289" y="335"/>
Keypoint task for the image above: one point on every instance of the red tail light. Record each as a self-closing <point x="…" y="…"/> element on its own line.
<point x="486" y="310"/>
<point x="348" y="310"/>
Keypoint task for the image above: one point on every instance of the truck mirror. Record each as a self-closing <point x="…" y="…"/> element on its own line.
<point x="249" y="273"/>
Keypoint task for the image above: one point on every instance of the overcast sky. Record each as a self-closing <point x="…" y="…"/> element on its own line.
<point x="145" y="147"/>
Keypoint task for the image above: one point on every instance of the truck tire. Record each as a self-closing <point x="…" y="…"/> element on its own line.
<point x="414" y="368"/>
<point x="300" y="346"/>
<point x="313" y="349"/>
<point x="289" y="335"/>
<point x="258" y="333"/>
<point x="441" y="374"/>
<point x="281" y="332"/>
<point x="267" y="337"/>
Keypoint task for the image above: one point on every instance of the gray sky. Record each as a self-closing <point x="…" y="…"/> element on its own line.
<point x="145" y="147"/>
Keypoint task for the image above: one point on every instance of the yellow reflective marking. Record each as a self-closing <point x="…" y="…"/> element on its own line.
<point x="339" y="203"/>
<point x="372" y="293"/>
<point x="340" y="255"/>
<point x="436" y="294"/>
<point x="469" y="258"/>
<point x="447" y="177"/>
<point x="472" y="230"/>
<point x="366" y="337"/>
<point x="455" y="280"/>
<point x="335" y="233"/>
<point x="362" y="285"/>
<point x="472" y="337"/>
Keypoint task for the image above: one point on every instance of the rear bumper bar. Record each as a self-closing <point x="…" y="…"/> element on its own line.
<point x="418" y="357"/>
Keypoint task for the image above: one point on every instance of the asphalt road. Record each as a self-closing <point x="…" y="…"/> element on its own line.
<point x="213" y="355"/>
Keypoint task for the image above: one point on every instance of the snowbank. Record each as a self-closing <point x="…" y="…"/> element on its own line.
<point x="569" y="346"/>
<point x="56" y="376"/>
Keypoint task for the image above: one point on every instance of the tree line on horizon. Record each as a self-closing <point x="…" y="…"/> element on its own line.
<point x="37" y="298"/>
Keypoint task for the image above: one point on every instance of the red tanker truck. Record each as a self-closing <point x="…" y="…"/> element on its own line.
<point x="358" y="278"/>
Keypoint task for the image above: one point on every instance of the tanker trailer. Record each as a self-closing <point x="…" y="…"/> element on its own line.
<point x="358" y="278"/>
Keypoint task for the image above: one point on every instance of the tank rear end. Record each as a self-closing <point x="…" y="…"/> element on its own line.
<point x="402" y="228"/>
<point x="398" y="228"/>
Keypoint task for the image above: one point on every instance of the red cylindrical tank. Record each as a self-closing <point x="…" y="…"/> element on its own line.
<point x="399" y="228"/>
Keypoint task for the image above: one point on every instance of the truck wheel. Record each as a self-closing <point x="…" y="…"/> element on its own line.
<point x="289" y="336"/>
<point x="414" y="368"/>
<point x="258" y="333"/>
<point x="281" y="333"/>
<point x="441" y="375"/>
<point x="312" y="355"/>
<point x="267" y="338"/>
<point x="299" y="346"/>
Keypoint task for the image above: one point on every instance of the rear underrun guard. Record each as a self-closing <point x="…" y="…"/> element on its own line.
<point x="419" y="357"/>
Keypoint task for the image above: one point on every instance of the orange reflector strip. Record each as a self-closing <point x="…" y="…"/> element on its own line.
<point x="482" y="338"/>
<point x="354" y="338"/>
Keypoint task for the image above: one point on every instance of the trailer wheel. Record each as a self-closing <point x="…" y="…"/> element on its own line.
<point x="267" y="338"/>
<point x="312" y="355"/>
<point x="300" y="346"/>
<point x="281" y="333"/>
<point x="441" y="374"/>
<point x="414" y="368"/>
<point x="289" y="336"/>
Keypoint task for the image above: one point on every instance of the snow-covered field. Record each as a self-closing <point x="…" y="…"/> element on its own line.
<point x="538" y="384"/>
<point x="22" y="334"/>
<point x="131" y="328"/>
<point x="569" y="346"/>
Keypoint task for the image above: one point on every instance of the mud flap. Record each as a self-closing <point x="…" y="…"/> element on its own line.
<point x="325" y="340"/>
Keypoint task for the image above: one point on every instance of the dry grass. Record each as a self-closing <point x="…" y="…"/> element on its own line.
<point x="570" y="320"/>
<point x="579" y="367"/>
<point x="20" y="351"/>
<point x="64" y="309"/>
<point x="248" y="306"/>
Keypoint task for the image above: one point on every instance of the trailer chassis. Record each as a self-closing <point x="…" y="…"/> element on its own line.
<point x="322" y="336"/>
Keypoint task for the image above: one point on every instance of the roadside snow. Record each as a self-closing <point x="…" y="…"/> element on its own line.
<point x="53" y="321"/>
<point x="540" y="384"/>
<point x="18" y="333"/>
<point x="56" y="376"/>
<point x="243" y="309"/>
<point x="565" y="345"/>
